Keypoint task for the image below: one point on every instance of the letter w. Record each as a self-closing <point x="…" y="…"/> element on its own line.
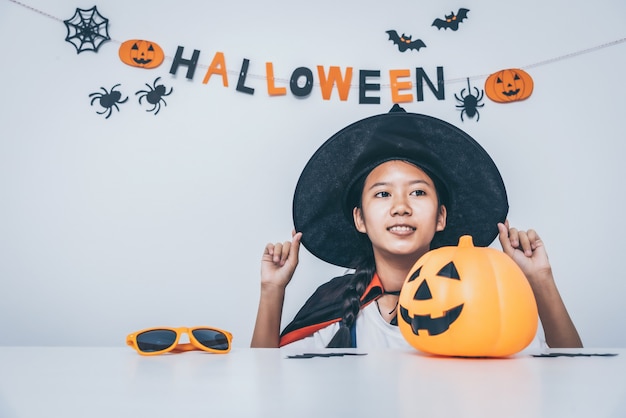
<point x="335" y="78"/>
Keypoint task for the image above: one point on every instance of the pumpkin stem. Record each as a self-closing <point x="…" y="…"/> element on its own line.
<point x="466" y="241"/>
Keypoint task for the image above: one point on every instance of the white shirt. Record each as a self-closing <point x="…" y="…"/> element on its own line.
<point x="372" y="331"/>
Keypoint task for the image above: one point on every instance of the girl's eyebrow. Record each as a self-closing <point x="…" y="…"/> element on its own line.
<point x="411" y="183"/>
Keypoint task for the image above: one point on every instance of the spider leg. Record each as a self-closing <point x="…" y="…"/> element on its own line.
<point x="170" y="92"/>
<point x="153" y="107"/>
<point x="110" y="111"/>
<point x="95" y="98"/>
<point x="462" y="111"/>
<point x="155" y="82"/>
<point x="477" y="115"/>
<point x="123" y="101"/>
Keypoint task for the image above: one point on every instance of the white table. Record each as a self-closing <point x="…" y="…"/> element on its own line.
<point x="68" y="382"/>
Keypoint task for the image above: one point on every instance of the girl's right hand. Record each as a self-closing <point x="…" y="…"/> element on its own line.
<point x="279" y="262"/>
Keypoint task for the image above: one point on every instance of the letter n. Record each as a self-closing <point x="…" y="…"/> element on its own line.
<point x="421" y="76"/>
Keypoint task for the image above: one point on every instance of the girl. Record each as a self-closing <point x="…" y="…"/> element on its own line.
<point x="374" y="198"/>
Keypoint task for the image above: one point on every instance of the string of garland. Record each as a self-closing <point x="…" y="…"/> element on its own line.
<point x="447" y="81"/>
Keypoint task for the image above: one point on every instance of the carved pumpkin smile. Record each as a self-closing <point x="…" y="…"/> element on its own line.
<point x="434" y="326"/>
<point x="510" y="93"/>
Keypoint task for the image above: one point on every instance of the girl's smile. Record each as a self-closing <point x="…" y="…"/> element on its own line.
<point x="401" y="229"/>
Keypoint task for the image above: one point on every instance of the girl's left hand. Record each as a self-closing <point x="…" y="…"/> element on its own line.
<point x="526" y="249"/>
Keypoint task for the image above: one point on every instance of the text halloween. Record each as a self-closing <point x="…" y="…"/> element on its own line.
<point x="301" y="80"/>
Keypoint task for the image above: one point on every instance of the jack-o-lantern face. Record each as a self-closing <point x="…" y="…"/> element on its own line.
<point x="467" y="301"/>
<point x="140" y="53"/>
<point x="509" y="86"/>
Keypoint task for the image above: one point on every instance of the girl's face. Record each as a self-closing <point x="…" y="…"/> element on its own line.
<point x="399" y="210"/>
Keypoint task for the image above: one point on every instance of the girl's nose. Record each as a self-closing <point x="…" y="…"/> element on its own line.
<point x="400" y="207"/>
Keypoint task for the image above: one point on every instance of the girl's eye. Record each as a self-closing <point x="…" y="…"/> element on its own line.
<point x="418" y="193"/>
<point x="382" y="194"/>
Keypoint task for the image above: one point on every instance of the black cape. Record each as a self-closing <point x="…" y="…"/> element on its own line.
<point x="324" y="307"/>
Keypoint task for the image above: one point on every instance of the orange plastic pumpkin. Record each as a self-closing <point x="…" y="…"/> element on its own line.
<point x="467" y="301"/>
<point x="509" y="85"/>
<point x="140" y="53"/>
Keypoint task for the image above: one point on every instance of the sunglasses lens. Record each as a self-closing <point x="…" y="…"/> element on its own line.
<point x="211" y="338"/>
<point x="155" y="340"/>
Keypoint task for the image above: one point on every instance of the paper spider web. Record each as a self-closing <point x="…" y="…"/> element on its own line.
<point x="87" y="30"/>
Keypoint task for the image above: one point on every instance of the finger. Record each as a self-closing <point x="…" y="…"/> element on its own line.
<point x="514" y="237"/>
<point x="296" y="240"/>
<point x="524" y="244"/>
<point x="269" y="250"/>
<point x="295" y="247"/>
<point x="505" y="242"/>
<point x="535" y="239"/>
<point x="285" y="253"/>
<point x="277" y="254"/>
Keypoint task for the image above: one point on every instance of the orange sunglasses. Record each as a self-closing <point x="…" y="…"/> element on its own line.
<point x="153" y="341"/>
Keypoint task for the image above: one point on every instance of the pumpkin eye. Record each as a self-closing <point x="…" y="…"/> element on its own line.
<point x="449" y="271"/>
<point x="516" y="77"/>
<point x="415" y="275"/>
<point x="135" y="47"/>
<point x="423" y="292"/>
<point x="151" y="48"/>
<point x="499" y="80"/>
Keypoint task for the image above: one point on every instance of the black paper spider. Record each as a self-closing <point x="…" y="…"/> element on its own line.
<point x="87" y="30"/>
<point x="108" y="100"/>
<point x="154" y="96"/>
<point x="470" y="103"/>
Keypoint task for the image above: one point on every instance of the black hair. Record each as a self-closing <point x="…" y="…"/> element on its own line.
<point x="352" y="297"/>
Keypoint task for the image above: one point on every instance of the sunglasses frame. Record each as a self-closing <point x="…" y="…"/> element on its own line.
<point x="193" y="343"/>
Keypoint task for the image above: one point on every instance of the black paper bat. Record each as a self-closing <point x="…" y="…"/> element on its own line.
<point x="452" y="20"/>
<point x="404" y="42"/>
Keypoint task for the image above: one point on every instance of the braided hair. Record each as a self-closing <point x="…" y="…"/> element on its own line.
<point x="364" y="272"/>
<point x="352" y="301"/>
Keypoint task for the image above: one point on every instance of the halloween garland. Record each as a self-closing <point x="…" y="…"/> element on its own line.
<point x="87" y="30"/>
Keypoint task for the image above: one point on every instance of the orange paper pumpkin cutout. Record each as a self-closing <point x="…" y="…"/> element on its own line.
<point x="509" y="85"/>
<point x="467" y="301"/>
<point x="140" y="53"/>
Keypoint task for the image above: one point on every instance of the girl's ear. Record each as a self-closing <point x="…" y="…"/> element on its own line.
<point x="441" y="218"/>
<point x="359" y="223"/>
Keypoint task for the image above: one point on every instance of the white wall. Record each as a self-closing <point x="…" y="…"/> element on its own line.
<point x="112" y="225"/>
